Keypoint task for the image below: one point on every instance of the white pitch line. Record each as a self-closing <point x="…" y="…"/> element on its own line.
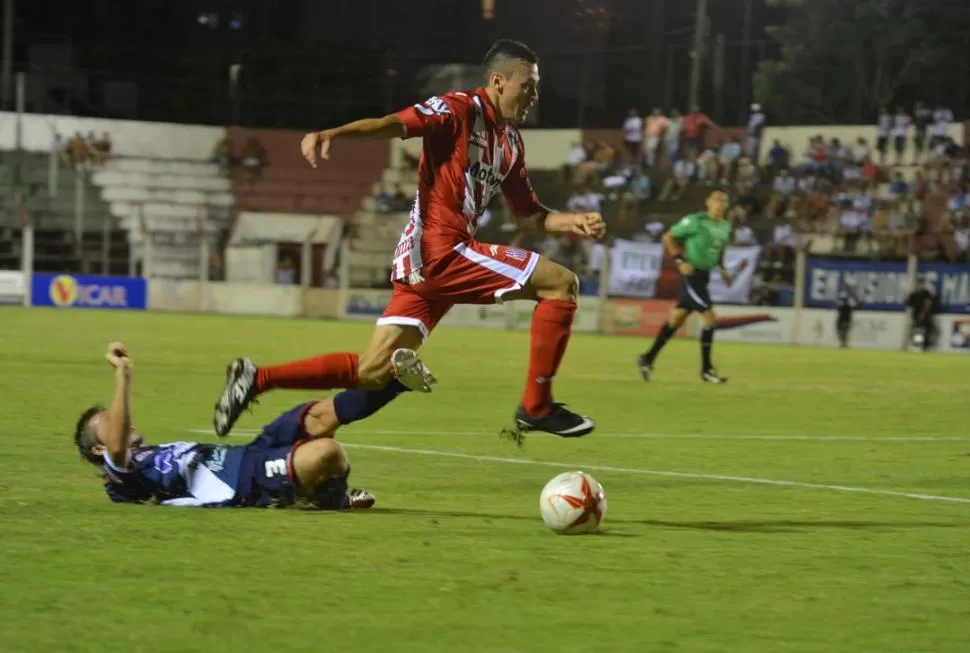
<point x="648" y="472"/>
<point x="664" y="436"/>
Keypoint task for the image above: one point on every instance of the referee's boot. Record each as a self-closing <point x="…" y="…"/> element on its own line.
<point x="710" y="375"/>
<point x="645" y="363"/>
<point x="559" y="421"/>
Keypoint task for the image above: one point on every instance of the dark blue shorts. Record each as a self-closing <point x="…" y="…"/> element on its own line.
<point x="267" y="478"/>
<point x="694" y="293"/>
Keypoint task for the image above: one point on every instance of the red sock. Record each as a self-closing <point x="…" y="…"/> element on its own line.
<point x="323" y="372"/>
<point x="552" y="324"/>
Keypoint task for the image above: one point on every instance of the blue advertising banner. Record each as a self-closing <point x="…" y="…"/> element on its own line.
<point x="884" y="285"/>
<point x="87" y="291"/>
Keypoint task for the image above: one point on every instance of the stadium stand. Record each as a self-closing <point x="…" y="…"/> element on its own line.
<point x="172" y="200"/>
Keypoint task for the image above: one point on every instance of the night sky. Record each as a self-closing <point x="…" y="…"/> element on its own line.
<point x="313" y="62"/>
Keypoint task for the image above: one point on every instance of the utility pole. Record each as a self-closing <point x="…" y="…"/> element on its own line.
<point x="700" y="25"/>
<point x="7" y="66"/>
<point x="745" y="64"/>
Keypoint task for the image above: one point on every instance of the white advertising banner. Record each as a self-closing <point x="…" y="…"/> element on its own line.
<point x="870" y="329"/>
<point x="954" y="334"/>
<point x="741" y="262"/>
<point x="11" y="287"/>
<point x="635" y="268"/>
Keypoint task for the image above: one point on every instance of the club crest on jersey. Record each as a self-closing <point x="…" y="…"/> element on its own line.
<point x="515" y="254"/>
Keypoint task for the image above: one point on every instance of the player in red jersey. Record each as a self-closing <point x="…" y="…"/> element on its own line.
<point x="471" y="151"/>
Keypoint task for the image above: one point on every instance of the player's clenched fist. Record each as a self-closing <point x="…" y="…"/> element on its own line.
<point x="118" y="356"/>
<point x="315" y="140"/>
<point x="590" y="225"/>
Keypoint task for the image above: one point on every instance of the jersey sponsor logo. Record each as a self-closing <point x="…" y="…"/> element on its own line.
<point x="433" y="106"/>
<point x="515" y="254"/>
<point x="275" y="468"/>
<point x="479" y="138"/>
<point x="217" y="462"/>
<point x="485" y="173"/>
<point x="163" y="461"/>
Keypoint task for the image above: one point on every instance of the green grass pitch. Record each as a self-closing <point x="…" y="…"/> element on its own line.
<point x="820" y="501"/>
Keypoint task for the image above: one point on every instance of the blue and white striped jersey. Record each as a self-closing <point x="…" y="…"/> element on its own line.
<point x="177" y="474"/>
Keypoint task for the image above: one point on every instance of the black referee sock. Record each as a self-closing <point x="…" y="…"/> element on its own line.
<point x="707" y="342"/>
<point x="665" y="334"/>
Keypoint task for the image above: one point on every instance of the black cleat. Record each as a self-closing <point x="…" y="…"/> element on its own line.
<point x="710" y="375"/>
<point x="239" y="393"/>
<point x="646" y="367"/>
<point x="560" y="421"/>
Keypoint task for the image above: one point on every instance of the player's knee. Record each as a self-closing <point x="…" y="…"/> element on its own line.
<point x="560" y="283"/>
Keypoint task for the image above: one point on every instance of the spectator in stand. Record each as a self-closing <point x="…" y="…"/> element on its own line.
<point x="756" y="127"/>
<point x="743" y="235"/>
<point x="588" y="167"/>
<point x="780" y="252"/>
<point x="921" y="187"/>
<point x="783" y="187"/>
<point x="577" y="155"/>
<point x="222" y="155"/>
<point x="101" y="149"/>
<point x="961" y="239"/>
<point x="871" y="173"/>
<point x="286" y="272"/>
<point x="884" y="124"/>
<point x="900" y="133"/>
<point x="696" y="124"/>
<point x="922" y="117"/>
<point x="675" y="128"/>
<point x="586" y="201"/>
<point x="779" y="158"/>
<point x="746" y="178"/>
<point x="653" y="132"/>
<point x="707" y="167"/>
<point x="727" y="159"/>
<point x="939" y="132"/>
<point x="78" y="151"/>
<point x="685" y="170"/>
<point x="253" y="157"/>
<point x="633" y="136"/>
<point x="899" y="189"/>
<point x="852" y="223"/>
<point x="654" y="231"/>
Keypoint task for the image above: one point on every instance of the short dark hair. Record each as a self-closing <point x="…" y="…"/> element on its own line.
<point x="505" y="50"/>
<point x="85" y="439"/>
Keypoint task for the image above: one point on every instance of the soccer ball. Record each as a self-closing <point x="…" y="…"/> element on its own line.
<point x="573" y="503"/>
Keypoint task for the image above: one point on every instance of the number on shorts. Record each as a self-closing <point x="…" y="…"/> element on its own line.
<point x="276" y="467"/>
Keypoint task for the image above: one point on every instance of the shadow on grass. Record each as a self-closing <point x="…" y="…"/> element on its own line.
<point x="740" y="526"/>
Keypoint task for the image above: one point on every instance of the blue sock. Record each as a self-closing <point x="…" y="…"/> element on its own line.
<point x="354" y="405"/>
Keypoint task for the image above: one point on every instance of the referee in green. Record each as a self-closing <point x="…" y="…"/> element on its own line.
<point x="697" y="242"/>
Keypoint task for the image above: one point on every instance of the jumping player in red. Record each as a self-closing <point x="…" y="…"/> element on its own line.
<point x="471" y="151"/>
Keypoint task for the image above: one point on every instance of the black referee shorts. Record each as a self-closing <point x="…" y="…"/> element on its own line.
<point x="694" y="294"/>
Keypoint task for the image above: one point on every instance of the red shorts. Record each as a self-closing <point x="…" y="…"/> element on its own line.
<point x="472" y="273"/>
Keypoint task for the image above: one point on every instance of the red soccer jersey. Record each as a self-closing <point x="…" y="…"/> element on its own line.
<point x="466" y="157"/>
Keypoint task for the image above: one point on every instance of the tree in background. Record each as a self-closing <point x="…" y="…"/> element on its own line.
<point x="843" y="59"/>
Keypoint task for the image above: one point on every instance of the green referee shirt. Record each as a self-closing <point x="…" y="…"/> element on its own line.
<point x="704" y="239"/>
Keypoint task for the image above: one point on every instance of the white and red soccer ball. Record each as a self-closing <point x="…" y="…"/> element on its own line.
<point x="573" y="503"/>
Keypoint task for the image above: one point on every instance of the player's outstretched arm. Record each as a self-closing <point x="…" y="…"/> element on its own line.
<point x="386" y="128"/>
<point x="588" y="225"/>
<point x="115" y="436"/>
